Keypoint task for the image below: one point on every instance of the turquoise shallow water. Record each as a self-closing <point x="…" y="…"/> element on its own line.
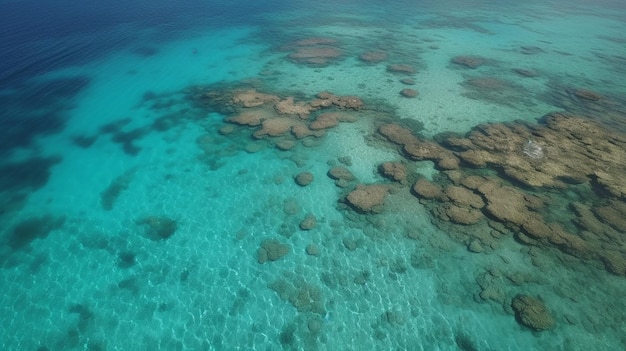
<point x="136" y="214"/>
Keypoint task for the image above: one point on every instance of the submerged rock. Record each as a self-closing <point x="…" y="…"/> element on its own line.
<point x="32" y="228"/>
<point x="120" y="184"/>
<point x="304" y="178"/>
<point x="305" y="297"/>
<point x="395" y="171"/>
<point x="373" y="56"/>
<point x="426" y="189"/>
<point x="526" y="72"/>
<point x="469" y="61"/>
<point x="532" y="313"/>
<point x="587" y="95"/>
<point x="418" y="149"/>
<point x="309" y="222"/>
<point x="312" y="250"/>
<point x="408" y="93"/>
<point x="158" y="227"/>
<point x="615" y="262"/>
<point x="476" y="247"/>
<point x="341" y="173"/>
<point x="315" y="51"/>
<point x="272" y="250"/>
<point x="368" y="198"/>
<point x="401" y="68"/>
<point x="458" y="214"/>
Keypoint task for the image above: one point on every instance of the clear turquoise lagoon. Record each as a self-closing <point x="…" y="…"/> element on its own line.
<point x="313" y="175"/>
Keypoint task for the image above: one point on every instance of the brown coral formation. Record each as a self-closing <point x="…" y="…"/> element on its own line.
<point x="314" y="51"/>
<point x="456" y="204"/>
<point x="458" y="214"/>
<point x="469" y="61"/>
<point x="252" y="98"/>
<point x="463" y="197"/>
<point x="341" y="173"/>
<point x="330" y="119"/>
<point x="565" y="151"/>
<point x="326" y="99"/>
<point x="401" y="68"/>
<point x="277" y="126"/>
<point x="532" y="313"/>
<point x="285" y="119"/>
<point x="426" y="189"/>
<point x="288" y="106"/>
<point x="408" y="93"/>
<point x="324" y="121"/>
<point x="418" y="149"/>
<point x="373" y="57"/>
<point x="574" y="150"/>
<point x="395" y="171"/>
<point x="368" y="198"/>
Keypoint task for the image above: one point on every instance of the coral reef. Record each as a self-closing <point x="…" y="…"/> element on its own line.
<point x="563" y="151"/>
<point x="286" y="120"/>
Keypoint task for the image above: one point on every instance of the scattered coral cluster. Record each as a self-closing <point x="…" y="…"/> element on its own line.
<point x="314" y="51"/>
<point x="500" y="179"/>
<point x="495" y="173"/>
<point x="284" y="120"/>
<point x="323" y="51"/>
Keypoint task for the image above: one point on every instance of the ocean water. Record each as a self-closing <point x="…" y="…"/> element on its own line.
<point x="146" y="205"/>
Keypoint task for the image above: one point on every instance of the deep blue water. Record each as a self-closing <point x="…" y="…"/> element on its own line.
<point x="39" y="37"/>
<point x="64" y="33"/>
